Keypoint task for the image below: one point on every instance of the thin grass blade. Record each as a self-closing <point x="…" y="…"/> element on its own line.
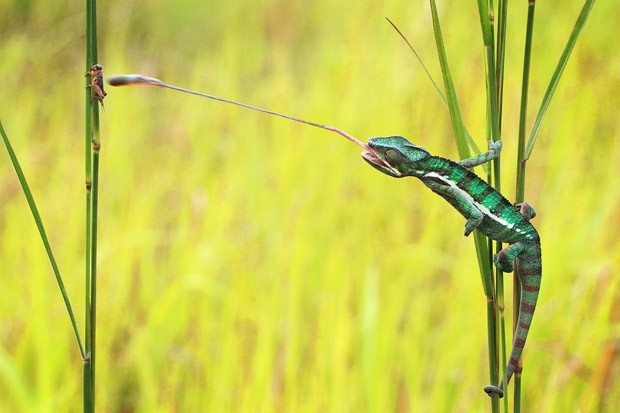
<point x="480" y="241"/>
<point x="461" y="143"/>
<point x="557" y="74"/>
<point x="470" y="140"/>
<point x="39" y="222"/>
<point x="453" y="105"/>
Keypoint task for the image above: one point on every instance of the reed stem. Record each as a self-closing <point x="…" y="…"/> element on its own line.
<point x="91" y="163"/>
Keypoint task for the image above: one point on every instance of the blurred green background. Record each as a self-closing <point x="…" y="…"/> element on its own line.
<point x="250" y="264"/>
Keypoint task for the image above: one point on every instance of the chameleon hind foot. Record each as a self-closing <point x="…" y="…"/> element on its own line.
<point x="494" y="390"/>
<point x="526" y="210"/>
<point x="502" y="263"/>
<point x="504" y="260"/>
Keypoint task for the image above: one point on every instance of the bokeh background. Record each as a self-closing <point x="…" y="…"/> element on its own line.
<point x="250" y="264"/>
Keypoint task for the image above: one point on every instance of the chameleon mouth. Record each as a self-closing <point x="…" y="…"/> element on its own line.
<point x="371" y="157"/>
<point x="380" y="164"/>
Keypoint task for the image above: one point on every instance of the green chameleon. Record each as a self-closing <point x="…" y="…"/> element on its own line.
<point x="485" y="209"/>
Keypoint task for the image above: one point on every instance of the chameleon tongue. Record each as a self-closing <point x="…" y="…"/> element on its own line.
<point x="136" y="79"/>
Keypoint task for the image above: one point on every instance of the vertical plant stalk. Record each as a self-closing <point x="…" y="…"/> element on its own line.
<point x="91" y="163"/>
<point x="502" y="23"/>
<point x="482" y="250"/>
<point x="520" y="184"/>
<point x="493" y="126"/>
<point x="87" y="372"/>
<point x="461" y="144"/>
<point x="525" y="148"/>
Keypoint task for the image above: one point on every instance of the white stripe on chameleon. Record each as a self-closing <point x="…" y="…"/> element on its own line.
<point x="478" y="205"/>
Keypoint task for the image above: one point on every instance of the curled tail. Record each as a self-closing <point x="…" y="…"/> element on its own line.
<point x="529" y="270"/>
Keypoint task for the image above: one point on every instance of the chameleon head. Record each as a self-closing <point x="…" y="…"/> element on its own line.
<point x="397" y="152"/>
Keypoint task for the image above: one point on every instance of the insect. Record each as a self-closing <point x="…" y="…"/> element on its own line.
<point x="96" y="82"/>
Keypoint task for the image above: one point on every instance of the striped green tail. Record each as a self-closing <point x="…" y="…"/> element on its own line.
<point x="529" y="270"/>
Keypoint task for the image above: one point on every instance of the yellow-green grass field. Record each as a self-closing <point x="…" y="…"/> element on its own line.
<point x="251" y="264"/>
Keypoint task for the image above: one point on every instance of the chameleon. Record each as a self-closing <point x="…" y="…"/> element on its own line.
<point x="485" y="210"/>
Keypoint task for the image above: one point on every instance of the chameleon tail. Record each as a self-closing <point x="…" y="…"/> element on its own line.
<point x="529" y="270"/>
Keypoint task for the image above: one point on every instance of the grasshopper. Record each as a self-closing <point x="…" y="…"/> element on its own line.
<point x="96" y="82"/>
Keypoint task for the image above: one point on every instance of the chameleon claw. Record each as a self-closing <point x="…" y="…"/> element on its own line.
<point x="473" y="223"/>
<point x="494" y="390"/>
<point x="495" y="146"/>
<point x="526" y="210"/>
<point x="502" y="263"/>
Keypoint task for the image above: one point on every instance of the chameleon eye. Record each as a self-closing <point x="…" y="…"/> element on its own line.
<point x="392" y="156"/>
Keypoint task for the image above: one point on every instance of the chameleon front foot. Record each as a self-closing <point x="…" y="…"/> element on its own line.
<point x="494" y="390"/>
<point x="473" y="222"/>
<point x="495" y="147"/>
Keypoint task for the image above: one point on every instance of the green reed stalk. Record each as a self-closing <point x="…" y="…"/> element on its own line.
<point x="494" y="75"/>
<point x="502" y="23"/>
<point x="87" y="372"/>
<point x="480" y="240"/>
<point x="494" y="86"/>
<point x="525" y="149"/>
<point x="520" y="184"/>
<point x="91" y="163"/>
<point x="500" y="54"/>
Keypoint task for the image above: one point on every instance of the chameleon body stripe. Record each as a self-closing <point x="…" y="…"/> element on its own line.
<point x="481" y="206"/>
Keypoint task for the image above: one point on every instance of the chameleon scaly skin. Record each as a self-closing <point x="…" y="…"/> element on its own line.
<point x="485" y="209"/>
